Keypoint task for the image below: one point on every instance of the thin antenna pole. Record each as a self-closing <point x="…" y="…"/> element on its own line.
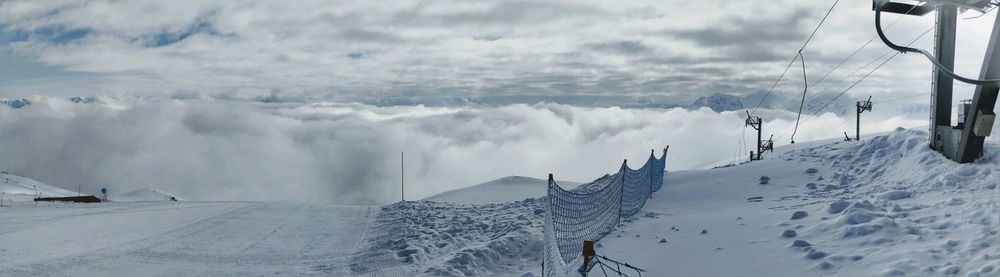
<point x="402" y="179"/>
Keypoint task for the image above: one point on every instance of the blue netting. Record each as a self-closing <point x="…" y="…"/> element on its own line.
<point x="593" y="210"/>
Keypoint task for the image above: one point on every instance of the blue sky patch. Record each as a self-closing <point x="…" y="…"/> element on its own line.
<point x="54" y="35"/>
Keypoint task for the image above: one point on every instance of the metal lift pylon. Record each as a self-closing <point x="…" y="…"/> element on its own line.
<point x="757" y="124"/>
<point x="964" y="143"/>
<point x="862" y="106"/>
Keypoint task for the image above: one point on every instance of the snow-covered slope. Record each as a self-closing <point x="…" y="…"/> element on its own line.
<point x="181" y="239"/>
<point x="506" y="189"/>
<point x="24" y="189"/>
<point x="148" y="194"/>
<point x="885" y="206"/>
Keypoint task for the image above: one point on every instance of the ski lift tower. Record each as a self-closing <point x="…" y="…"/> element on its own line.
<point x="962" y="144"/>
<point x="862" y="106"/>
<point x="756" y="124"/>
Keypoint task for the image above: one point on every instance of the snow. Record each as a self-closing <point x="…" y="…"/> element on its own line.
<point x="444" y="239"/>
<point x="181" y="238"/>
<point x="147" y="194"/>
<point x="18" y="190"/>
<point x="884" y="206"/>
<point x="506" y="189"/>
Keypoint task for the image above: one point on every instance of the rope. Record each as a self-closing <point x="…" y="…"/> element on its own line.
<point x="862" y="78"/>
<point x="796" y="56"/>
<point x="805" y="88"/>
<point x="840" y="64"/>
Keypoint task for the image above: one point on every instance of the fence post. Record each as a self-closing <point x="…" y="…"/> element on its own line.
<point x="621" y="194"/>
<point x="652" y="156"/>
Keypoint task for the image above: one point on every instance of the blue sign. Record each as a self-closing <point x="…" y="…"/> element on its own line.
<point x="104" y="190"/>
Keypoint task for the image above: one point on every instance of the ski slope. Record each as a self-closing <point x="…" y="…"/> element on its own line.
<point x="147" y="194"/>
<point x="181" y="239"/>
<point x="19" y="188"/>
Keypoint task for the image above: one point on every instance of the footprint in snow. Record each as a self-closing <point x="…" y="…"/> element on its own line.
<point x="799" y="215"/>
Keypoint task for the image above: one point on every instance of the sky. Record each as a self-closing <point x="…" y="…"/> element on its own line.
<point x="314" y="100"/>
<point x="364" y="51"/>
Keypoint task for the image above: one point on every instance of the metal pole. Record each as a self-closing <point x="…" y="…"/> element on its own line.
<point x="760" y="129"/>
<point x="983" y="102"/>
<point x="941" y="84"/>
<point x="402" y="179"/>
<point x="857" y="134"/>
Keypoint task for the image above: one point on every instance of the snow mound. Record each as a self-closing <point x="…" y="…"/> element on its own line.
<point x="147" y="195"/>
<point x="506" y="189"/>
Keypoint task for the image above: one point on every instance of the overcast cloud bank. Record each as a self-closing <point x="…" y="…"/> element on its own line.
<point x="349" y="153"/>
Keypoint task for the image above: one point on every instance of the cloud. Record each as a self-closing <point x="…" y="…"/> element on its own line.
<point x="742" y="30"/>
<point x="360" y="51"/>
<point x="349" y="153"/>
<point x="628" y="47"/>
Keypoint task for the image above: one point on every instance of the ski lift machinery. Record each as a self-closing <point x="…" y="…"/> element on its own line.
<point x="963" y="143"/>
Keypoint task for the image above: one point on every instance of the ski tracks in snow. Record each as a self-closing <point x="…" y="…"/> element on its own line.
<point x="182" y="239"/>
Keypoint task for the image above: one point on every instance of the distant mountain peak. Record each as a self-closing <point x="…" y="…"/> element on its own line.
<point x="719" y="102"/>
<point x="15" y="103"/>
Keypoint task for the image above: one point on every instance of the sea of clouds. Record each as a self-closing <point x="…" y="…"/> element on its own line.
<point x="348" y="153"/>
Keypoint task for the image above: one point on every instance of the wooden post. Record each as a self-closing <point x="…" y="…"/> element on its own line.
<point x="588" y="257"/>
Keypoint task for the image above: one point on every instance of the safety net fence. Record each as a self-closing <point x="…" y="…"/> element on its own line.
<point x="592" y="211"/>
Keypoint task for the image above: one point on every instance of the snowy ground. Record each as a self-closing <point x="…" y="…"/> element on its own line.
<point x="178" y="238"/>
<point x="885" y="206"/>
